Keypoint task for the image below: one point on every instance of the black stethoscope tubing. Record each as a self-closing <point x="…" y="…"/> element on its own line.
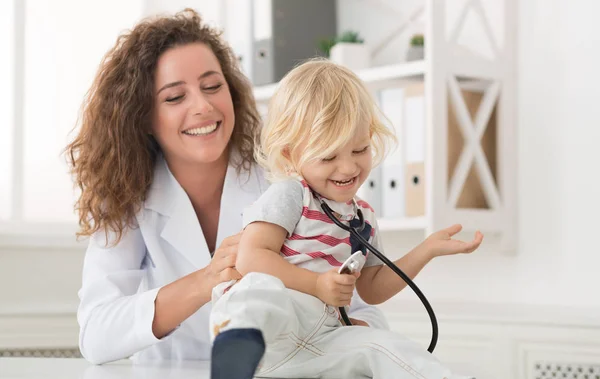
<point x="434" y="325"/>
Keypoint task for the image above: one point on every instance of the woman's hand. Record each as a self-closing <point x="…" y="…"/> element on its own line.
<point x="335" y="289"/>
<point x="222" y="265"/>
<point x="441" y="242"/>
<point x="177" y="301"/>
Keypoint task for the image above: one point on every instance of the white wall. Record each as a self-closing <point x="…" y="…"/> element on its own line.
<point x="210" y="9"/>
<point x="558" y="255"/>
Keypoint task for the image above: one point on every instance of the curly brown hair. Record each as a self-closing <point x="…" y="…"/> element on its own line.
<point x="113" y="156"/>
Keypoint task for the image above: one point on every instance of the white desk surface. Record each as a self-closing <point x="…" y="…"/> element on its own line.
<point x="72" y="368"/>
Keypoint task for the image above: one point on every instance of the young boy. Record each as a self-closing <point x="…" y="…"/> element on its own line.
<point x="318" y="146"/>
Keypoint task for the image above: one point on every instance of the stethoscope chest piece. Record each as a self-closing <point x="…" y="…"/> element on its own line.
<point x="353" y="264"/>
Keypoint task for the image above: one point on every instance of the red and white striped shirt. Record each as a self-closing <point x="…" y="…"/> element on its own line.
<point x="314" y="242"/>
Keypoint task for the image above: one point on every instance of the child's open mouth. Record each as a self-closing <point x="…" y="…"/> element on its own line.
<point x="344" y="183"/>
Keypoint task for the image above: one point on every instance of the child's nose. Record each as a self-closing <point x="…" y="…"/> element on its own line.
<point x="347" y="167"/>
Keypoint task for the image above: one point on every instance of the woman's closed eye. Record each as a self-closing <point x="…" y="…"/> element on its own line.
<point x="212" y="89"/>
<point x="174" y="99"/>
<point x="209" y="89"/>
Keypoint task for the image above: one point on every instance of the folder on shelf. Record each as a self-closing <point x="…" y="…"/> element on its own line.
<point x="393" y="191"/>
<point x="371" y="191"/>
<point x="391" y="104"/>
<point x="414" y="123"/>
<point x="415" y="189"/>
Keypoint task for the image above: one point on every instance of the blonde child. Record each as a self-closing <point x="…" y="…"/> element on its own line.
<point x="322" y="134"/>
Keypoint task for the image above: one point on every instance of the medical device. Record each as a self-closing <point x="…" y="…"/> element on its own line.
<point x="357" y="260"/>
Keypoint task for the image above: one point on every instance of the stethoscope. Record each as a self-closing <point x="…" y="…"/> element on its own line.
<point x="356" y="233"/>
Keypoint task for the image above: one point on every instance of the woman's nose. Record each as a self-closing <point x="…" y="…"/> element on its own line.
<point x="202" y="105"/>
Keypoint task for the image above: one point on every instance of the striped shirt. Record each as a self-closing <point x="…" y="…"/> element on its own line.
<point x="313" y="241"/>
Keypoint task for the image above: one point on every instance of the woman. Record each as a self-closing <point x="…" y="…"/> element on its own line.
<point x="164" y="161"/>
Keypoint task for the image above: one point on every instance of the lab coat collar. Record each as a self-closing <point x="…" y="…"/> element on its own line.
<point x="182" y="229"/>
<point x="164" y="189"/>
<point x="240" y="190"/>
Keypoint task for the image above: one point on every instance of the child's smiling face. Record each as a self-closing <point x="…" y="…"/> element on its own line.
<point x="339" y="176"/>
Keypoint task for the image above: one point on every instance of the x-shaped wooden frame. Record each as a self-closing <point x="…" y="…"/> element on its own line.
<point x="472" y="151"/>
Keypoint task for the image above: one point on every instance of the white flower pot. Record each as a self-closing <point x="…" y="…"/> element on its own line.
<point x="415" y="53"/>
<point x="355" y="56"/>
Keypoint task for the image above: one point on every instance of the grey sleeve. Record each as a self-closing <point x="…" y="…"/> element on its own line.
<point x="281" y="205"/>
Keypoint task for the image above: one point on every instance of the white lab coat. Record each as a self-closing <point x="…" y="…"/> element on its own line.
<point x="120" y="283"/>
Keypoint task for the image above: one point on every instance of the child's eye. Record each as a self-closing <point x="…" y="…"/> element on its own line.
<point x="174" y="99"/>
<point x="328" y="159"/>
<point x="364" y="150"/>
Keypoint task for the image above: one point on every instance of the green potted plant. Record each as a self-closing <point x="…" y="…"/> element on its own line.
<point x="347" y="49"/>
<point x="416" y="50"/>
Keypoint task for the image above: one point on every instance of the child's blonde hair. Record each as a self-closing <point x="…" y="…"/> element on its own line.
<point x="319" y="104"/>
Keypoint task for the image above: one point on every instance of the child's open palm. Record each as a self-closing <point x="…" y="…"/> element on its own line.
<point x="441" y="242"/>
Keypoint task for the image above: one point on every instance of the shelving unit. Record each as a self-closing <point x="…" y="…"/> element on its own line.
<point x="447" y="71"/>
<point x="376" y="77"/>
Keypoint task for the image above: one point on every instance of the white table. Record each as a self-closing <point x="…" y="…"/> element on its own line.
<point x="70" y="368"/>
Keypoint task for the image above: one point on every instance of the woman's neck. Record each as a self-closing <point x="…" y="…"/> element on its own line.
<point x="202" y="182"/>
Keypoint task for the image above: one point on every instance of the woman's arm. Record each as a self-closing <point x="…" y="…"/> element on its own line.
<point x="177" y="301"/>
<point x="116" y="321"/>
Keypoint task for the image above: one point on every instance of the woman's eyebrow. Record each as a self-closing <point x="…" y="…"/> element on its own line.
<point x="170" y="85"/>
<point x="180" y="82"/>
<point x="208" y="73"/>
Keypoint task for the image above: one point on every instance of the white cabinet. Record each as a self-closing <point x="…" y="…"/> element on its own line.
<point x="506" y="341"/>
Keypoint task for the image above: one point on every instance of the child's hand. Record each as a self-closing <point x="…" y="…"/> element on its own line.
<point x="336" y="289"/>
<point x="441" y="242"/>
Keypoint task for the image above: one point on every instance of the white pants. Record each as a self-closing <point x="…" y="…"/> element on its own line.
<point x="305" y="338"/>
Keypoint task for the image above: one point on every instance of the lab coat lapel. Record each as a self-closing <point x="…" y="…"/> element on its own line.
<point x="239" y="191"/>
<point x="182" y="229"/>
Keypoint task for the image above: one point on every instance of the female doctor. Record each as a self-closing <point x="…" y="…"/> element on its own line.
<point x="164" y="162"/>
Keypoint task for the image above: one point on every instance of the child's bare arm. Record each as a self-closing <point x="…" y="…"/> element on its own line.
<point x="259" y="252"/>
<point x="377" y="284"/>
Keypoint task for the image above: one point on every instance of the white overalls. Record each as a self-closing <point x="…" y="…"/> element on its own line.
<point x="304" y="336"/>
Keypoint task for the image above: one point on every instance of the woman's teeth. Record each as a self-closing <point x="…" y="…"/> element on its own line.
<point x="344" y="183"/>
<point x="203" y="130"/>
